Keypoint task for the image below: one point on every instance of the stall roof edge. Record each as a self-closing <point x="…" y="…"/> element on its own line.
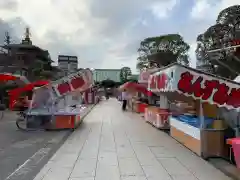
<point x="198" y="71"/>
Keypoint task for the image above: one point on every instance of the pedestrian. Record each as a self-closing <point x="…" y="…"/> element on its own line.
<point x="124" y="99"/>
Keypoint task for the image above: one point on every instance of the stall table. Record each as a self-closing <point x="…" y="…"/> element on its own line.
<point x="68" y="118"/>
<point x="139" y="107"/>
<point x="199" y="140"/>
<point x="157" y="117"/>
<point x="235" y="148"/>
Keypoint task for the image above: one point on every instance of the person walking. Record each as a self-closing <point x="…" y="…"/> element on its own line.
<point x="124" y="99"/>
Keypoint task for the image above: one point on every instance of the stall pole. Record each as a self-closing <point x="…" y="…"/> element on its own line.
<point x="202" y="126"/>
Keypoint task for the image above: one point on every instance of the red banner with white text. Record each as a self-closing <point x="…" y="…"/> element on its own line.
<point x="79" y="81"/>
<point x="197" y="84"/>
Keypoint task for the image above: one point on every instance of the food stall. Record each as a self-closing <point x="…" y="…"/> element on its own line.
<point x="144" y="99"/>
<point x="193" y="99"/>
<point x="133" y="89"/>
<point x="158" y="111"/>
<point x="90" y="95"/>
<point x="14" y="94"/>
<point x="60" y="101"/>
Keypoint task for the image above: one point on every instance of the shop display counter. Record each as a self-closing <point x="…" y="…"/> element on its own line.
<point x="200" y="141"/>
<point x="139" y="107"/>
<point x="216" y="149"/>
<point x="68" y="118"/>
<point x="157" y="117"/>
<point x="186" y="134"/>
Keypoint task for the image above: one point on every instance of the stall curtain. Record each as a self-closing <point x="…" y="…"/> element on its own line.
<point x="135" y="87"/>
<point x="232" y="117"/>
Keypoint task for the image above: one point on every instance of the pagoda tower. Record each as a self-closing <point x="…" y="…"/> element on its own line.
<point x="27" y="39"/>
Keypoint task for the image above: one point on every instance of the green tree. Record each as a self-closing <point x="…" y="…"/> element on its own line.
<point x="125" y="73"/>
<point x="162" y="50"/>
<point x="219" y="36"/>
<point x="42" y="69"/>
<point x="108" y="83"/>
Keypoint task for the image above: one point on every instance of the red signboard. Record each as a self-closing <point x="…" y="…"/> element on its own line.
<point x="205" y="89"/>
<point x="65" y="87"/>
<point x="77" y="82"/>
<point x="159" y="81"/>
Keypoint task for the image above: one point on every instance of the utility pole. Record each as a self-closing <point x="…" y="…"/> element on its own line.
<point x="7" y="40"/>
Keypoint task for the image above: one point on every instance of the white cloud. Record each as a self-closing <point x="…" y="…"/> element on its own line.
<point x="208" y="10"/>
<point x="200" y="9"/>
<point x="104" y="34"/>
<point x="63" y="17"/>
<point x="77" y="24"/>
<point x="163" y="9"/>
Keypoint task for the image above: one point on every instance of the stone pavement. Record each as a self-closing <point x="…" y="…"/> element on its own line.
<point x="115" y="145"/>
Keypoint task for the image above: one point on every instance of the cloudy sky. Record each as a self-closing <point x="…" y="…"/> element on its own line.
<point x="106" y="33"/>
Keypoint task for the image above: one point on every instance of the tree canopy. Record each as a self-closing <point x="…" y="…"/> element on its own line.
<point x="125" y="73"/>
<point x="223" y="62"/>
<point x="108" y="83"/>
<point x="162" y="50"/>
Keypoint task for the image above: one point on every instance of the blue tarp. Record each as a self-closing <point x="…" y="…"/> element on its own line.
<point x="194" y="120"/>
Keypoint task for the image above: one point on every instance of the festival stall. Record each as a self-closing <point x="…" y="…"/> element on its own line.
<point x="8" y="77"/>
<point x="193" y="100"/>
<point x="5" y="77"/>
<point x="16" y="93"/>
<point x="90" y="96"/>
<point x="60" y="102"/>
<point x="146" y="101"/>
<point x="134" y="88"/>
<point x="152" y="112"/>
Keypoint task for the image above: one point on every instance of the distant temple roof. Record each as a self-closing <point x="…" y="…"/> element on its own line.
<point x="24" y="46"/>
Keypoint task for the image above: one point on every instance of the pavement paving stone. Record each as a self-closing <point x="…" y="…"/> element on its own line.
<point x="112" y="145"/>
<point x="84" y="168"/>
<point x="58" y="173"/>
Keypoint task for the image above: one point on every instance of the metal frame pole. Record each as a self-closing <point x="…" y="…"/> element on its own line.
<point x="220" y="49"/>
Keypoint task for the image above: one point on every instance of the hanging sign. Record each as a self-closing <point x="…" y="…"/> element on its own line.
<point x="212" y="90"/>
<point x="159" y="81"/>
<point x="145" y="74"/>
<point x="143" y="77"/>
<point x="197" y="84"/>
<point x="77" y="81"/>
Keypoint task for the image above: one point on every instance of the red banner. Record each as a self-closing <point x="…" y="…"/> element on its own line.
<point x="159" y="81"/>
<point x="78" y="81"/>
<point x="212" y="90"/>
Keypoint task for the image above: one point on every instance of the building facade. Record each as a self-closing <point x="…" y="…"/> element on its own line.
<point x="26" y="59"/>
<point x="22" y="59"/>
<point x="104" y="74"/>
<point x="68" y="64"/>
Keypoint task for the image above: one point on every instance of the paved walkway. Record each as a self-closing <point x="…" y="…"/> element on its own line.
<point x="112" y="145"/>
